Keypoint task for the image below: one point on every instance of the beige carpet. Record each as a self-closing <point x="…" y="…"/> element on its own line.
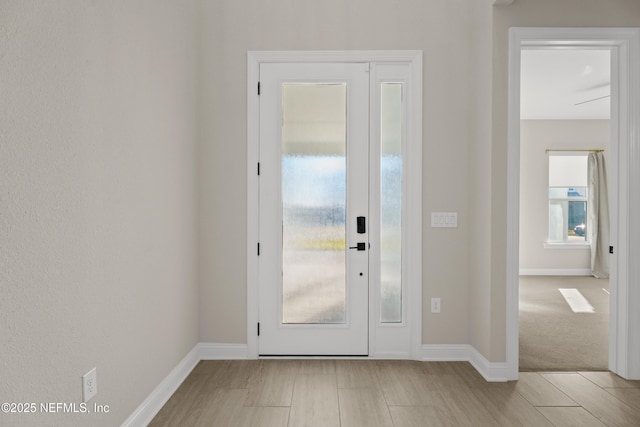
<point x="552" y="336"/>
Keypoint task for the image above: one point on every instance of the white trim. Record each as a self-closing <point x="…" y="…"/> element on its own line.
<point x="632" y="300"/>
<point x="413" y="277"/>
<point x="502" y="2"/>
<point x="513" y="207"/>
<point x="446" y="353"/>
<point x="215" y="351"/>
<point x="389" y="356"/>
<point x="558" y="245"/>
<point x="492" y="372"/>
<point x="413" y="274"/>
<point x="397" y="339"/>
<point x="555" y="272"/>
<point x="380" y="56"/>
<point x="148" y="409"/>
<point x="253" y="196"/>
<point x="624" y="325"/>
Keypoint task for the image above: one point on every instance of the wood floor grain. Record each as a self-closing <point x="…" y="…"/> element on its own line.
<point x="423" y="416"/>
<point x="315" y="401"/>
<point x="344" y="393"/>
<point x="609" y="380"/>
<point x="630" y="396"/>
<point x="601" y="404"/>
<point x="570" y="417"/>
<point x="363" y="407"/>
<point x="509" y="408"/>
<point x="540" y="392"/>
<point x="356" y="373"/>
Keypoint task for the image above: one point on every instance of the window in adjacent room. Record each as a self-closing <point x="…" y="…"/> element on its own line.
<point x="568" y="198"/>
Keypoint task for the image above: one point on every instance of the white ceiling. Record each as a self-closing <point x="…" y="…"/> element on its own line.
<point x="553" y="81"/>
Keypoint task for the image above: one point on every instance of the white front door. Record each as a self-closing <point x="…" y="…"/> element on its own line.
<point x="314" y="209"/>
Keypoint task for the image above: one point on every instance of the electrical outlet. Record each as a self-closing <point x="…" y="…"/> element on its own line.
<point x="89" y="385"/>
<point x="435" y="305"/>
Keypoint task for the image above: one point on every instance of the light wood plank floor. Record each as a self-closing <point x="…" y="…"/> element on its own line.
<point x="367" y="393"/>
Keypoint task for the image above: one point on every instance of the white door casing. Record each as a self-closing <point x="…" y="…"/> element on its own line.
<point x="624" y="314"/>
<point x="396" y="340"/>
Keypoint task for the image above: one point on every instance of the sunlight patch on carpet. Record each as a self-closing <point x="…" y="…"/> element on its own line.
<point x="576" y="301"/>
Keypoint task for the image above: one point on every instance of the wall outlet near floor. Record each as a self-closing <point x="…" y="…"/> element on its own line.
<point x="89" y="385"/>
<point x="435" y="305"/>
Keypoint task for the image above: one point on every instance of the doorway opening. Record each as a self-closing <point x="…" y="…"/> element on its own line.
<point x="624" y="47"/>
<point x="564" y="118"/>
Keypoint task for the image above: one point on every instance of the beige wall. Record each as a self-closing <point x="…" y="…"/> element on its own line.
<point x="232" y="27"/>
<point x="535" y="137"/>
<point x="480" y="176"/>
<point x="97" y="201"/>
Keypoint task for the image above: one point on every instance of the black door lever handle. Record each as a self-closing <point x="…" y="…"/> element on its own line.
<point x="360" y="247"/>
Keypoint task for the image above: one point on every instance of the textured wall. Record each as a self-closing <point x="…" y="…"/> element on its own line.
<point x="97" y="201"/>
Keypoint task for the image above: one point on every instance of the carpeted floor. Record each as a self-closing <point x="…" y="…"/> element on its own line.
<point x="552" y="336"/>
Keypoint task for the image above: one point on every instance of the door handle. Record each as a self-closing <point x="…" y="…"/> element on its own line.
<point x="360" y="246"/>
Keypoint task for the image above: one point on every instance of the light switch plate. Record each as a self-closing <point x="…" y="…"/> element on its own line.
<point x="444" y="219"/>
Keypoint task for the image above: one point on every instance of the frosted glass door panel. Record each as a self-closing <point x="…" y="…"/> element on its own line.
<point x="391" y="203"/>
<point x="313" y="203"/>
<point x="314" y="174"/>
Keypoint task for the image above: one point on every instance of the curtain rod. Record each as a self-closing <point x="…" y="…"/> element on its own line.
<point x="583" y="151"/>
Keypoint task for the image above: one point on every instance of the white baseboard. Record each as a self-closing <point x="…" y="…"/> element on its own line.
<point x="148" y="409"/>
<point x="389" y="356"/>
<point x="555" y="272"/>
<point x="214" y="351"/>
<point x="493" y="372"/>
<point x="446" y="353"/>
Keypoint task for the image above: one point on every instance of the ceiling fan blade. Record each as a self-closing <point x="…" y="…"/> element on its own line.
<point x="597" y="86"/>
<point x="591" y="100"/>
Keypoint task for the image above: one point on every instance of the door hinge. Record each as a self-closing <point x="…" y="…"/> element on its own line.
<point x="258" y="168"/>
<point x="258" y="88"/>
<point x="258" y="248"/>
<point x="610" y="249"/>
<point x="258" y="328"/>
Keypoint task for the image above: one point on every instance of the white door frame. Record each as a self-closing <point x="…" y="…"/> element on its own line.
<point x="412" y="203"/>
<point x="624" y="325"/>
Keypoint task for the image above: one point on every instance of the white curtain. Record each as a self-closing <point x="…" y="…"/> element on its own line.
<point x="598" y="216"/>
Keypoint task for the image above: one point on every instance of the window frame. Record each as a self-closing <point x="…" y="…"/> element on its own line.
<point x="566" y="243"/>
